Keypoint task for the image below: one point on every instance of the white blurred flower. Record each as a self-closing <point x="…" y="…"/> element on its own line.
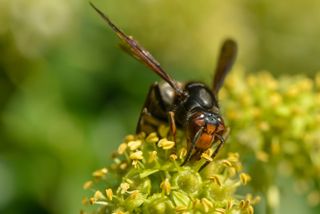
<point x="36" y="23"/>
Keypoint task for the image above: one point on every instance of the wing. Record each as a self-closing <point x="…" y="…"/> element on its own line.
<point x="132" y="47"/>
<point x="226" y="59"/>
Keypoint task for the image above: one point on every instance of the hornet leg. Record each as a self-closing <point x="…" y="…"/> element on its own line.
<point x="149" y="118"/>
<point x="193" y="145"/>
<point x="172" y="123"/>
<point x="215" y="152"/>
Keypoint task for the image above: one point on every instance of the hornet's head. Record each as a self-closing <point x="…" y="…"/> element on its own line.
<point x="204" y="128"/>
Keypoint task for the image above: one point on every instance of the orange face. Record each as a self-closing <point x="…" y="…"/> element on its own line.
<point x="210" y="124"/>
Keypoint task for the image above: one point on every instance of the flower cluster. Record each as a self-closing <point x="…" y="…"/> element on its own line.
<point x="147" y="177"/>
<point x="275" y="125"/>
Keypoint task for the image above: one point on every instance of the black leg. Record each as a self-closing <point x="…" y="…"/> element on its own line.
<point x="193" y="144"/>
<point x="215" y="152"/>
<point x="147" y="123"/>
<point x="145" y="109"/>
<point x="196" y="155"/>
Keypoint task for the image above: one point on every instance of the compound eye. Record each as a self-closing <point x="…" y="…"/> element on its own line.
<point x="220" y="120"/>
<point x="206" y="98"/>
<point x="199" y="120"/>
<point x="211" y="120"/>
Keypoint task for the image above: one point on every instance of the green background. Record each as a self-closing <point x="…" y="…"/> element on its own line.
<point x="68" y="95"/>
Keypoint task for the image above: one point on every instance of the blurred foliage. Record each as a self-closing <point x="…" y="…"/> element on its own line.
<point x="66" y="91"/>
<point x="276" y="130"/>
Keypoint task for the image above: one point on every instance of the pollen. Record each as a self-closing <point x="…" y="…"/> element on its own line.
<point x="123" y="187"/>
<point x="182" y="153"/>
<point x="99" y="196"/>
<point x="109" y="194"/>
<point x="138" y="155"/>
<point x="207" y="155"/>
<point x="196" y="203"/>
<point x="166" y="144"/>
<point x="245" y="178"/>
<point x="215" y="180"/>
<point x="92" y="200"/>
<point x="233" y="157"/>
<point x="129" y="181"/>
<point x="134" y="194"/>
<point x="134" y="145"/>
<point x="84" y="200"/>
<point x="253" y="200"/>
<point x="100" y="173"/>
<point x="152" y="138"/>
<point x="122" y="148"/>
<point x="129" y="138"/>
<point x="207" y="204"/>
<point x="244" y="204"/>
<point x="135" y="163"/>
<point x="173" y="157"/>
<point x="166" y="186"/>
<point x="123" y="166"/>
<point x="226" y="163"/>
<point x="229" y="204"/>
<point x="219" y="211"/>
<point x="153" y="156"/>
<point x="250" y="210"/>
<point x="87" y="185"/>
<point x="181" y="209"/>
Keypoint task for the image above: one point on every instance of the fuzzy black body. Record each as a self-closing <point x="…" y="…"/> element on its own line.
<point x="161" y="99"/>
<point x="198" y="110"/>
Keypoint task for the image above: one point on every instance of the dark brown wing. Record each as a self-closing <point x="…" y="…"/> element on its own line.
<point x="132" y="47"/>
<point x="226" y="59"/>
